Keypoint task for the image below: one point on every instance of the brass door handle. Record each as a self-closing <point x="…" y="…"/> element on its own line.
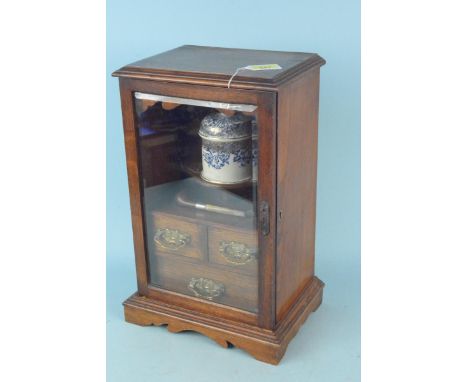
<point x="206" y="288"/>
<point x="237" y="253"/>
<point x="172" y="239"/>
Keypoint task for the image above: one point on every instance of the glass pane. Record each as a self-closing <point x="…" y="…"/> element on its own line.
<point x="199" y="171"/>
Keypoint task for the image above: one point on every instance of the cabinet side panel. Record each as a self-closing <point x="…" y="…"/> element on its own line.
<point x="297" y="174"/>
<point x="131" y="150"/>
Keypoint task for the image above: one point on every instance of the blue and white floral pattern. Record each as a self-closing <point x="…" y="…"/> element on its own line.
<point x="215" y="159"/>
<point x="226" y="148"/>
<point x="255" y="153"/>
<point x="242" y="157"/>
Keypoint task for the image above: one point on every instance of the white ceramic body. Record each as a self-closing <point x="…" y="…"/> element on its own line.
<point x="227" y="163"/>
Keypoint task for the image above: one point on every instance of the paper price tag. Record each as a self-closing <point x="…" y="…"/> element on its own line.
<point x="263" y="67"/>
<point x="254" y="68"/>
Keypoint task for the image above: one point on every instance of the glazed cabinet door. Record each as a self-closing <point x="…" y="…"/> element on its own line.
<point x="201" y="164"/>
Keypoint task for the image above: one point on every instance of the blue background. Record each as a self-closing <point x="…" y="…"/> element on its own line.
<point x="327" y="348"/>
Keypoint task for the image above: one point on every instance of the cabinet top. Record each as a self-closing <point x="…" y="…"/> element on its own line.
<point x="213" y="66"/>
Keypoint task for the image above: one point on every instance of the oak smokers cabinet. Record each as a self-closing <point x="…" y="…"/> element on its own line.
<point x="222" y="187"/>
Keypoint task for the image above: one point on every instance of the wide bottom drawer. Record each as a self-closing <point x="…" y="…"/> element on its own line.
<point x="200" y="280"/>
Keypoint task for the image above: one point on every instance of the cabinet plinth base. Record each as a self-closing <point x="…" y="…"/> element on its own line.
<point x="265" y="345"/>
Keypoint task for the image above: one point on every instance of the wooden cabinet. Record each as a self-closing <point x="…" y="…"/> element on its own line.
<point x="222" y="186"/>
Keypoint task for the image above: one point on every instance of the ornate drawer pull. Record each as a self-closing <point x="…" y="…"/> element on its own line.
<point x="237" y="253"/>
<point x="171" y="239"/>
<point x="206" y="288"/>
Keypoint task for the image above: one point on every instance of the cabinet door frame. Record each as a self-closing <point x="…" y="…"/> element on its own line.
<point x="266" y="102"/>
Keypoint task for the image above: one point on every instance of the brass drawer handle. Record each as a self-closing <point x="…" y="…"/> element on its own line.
<point x="237" y="253"/>
<point x="171" y="239"/>
<point x="206" y="288"/>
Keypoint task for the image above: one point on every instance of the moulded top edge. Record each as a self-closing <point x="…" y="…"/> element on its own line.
<point x="215" y="66"/>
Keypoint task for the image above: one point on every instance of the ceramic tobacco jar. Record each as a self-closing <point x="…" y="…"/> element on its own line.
<point x="226" y="148"/>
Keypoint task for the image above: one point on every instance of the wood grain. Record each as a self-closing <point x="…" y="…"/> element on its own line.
<point x="174" y="273"/>
<point x="134" y="185"/>
<point x="267" y="141"/>
<point x="202" y="65"/>
<point x="195" y="248"/>
<point x="217" y="235"/>
<point x="266" y="302"/>
<point x="297" y="174"/>
<point x="263" y="344"/>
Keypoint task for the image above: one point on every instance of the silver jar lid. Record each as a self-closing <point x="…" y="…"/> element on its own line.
<point x="220" y="127"/>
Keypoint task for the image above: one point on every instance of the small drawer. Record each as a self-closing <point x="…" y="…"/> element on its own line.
<point x="174" y="235"/>
<point x="234" y="248"/>
<point x="205" y="282"/>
